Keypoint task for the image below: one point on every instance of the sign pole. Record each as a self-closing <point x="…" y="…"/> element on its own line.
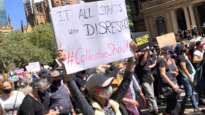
<point x="50" y="5"/>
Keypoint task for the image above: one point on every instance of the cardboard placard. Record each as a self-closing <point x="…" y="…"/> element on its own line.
<point x="166" y="40"/>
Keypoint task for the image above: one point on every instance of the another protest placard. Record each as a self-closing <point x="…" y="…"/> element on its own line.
<point x="142" y="41"/>
<point x="33" y="67"/>
<point x="166" y="40"/>
<point x="37" y="1"/>
<point x="92" y="33"/>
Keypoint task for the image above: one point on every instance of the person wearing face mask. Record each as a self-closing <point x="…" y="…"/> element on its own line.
<point x="99" y="92"/>
<point x="60" y="95"/>
<point x="103" y="99"/>
<point x="33" y="103"/>
<point x="10" y="99"/>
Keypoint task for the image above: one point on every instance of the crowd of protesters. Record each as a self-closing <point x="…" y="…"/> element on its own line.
<point x="193" y="34"/>
<point x="172" y="76"/>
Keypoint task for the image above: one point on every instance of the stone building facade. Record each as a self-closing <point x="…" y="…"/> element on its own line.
<point x="164" y="16"/>
<point x="37" y="11"/>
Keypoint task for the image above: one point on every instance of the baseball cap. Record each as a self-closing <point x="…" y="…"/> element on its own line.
<point x="98" y="80"/>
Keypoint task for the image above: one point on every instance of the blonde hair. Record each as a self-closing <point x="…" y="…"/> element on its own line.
<point x="10" y="82"/>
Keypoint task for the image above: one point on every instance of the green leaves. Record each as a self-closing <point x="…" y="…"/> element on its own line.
<point x="21" y="48"/>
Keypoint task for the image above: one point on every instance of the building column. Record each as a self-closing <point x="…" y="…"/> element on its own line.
<point x="147" y="23"/>
<point x="174" y="21"/>
<point x="187" y="18"/>
<point x="152" y="24"/>
<point x="167" y="22"/>
<point x="193" y="19"/>
<point x="198" y="20"/>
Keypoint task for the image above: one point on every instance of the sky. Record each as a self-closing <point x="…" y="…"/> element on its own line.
<point x="15" y="9"/>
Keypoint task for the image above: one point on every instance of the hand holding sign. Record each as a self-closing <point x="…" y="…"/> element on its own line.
<point x="61" y="55"/>
<point x="133" y="46"/>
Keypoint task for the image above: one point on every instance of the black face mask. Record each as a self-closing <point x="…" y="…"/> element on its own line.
<point x="7" y="91"/>
<point x="56" y="82"/>
<point x="41" y="94"/>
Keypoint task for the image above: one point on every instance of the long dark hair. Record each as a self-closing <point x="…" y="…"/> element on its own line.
<point x="180" y="49"/>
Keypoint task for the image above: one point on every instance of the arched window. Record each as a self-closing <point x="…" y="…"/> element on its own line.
<point x="161" y="26"/>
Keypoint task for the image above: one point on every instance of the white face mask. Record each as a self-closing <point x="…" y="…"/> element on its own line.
<point x="114" y="89"/>
<point x="107" y="92"/>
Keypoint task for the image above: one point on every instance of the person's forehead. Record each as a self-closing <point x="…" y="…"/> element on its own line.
<point x="6" y="83"/>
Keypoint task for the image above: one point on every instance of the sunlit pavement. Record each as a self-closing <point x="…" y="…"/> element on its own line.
<point x="188" y="111"/>
<point x="191" y="112"/>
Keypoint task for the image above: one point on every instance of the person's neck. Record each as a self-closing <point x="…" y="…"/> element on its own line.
<point x="6" y="96"/>
<point x="35" y="95"/>
<point x="103" y="102"/>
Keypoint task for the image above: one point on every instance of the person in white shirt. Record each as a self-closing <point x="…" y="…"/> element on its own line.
<point x="198" y="54"/>
<point x="10" y="99"/>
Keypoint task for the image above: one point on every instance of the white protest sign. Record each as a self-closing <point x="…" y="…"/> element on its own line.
<point x="92" y="33"/>
<point x="166" y="40"/>
<point x="33" y="67"/>
<point x="36" y="1"/>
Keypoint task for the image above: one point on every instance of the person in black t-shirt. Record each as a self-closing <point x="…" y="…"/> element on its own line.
<point x="168" y="72"/>
<point x="32" y="103"/>
<point x="147" y="63"/>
